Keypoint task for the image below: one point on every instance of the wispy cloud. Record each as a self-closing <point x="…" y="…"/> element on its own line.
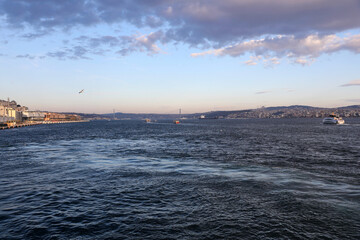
<point x="304" y="61"/>
<point x="288" y="90"/>
<point x="276" y="90"/>
<point x="74" y="53"/>
<point x="31" y="36"/>
<point x="86" y="47"/>
<point x="352" y="83"/>
<point x="250" y="62"/>
<point x="142" y="43"/>
<point x="28" y="56"/>
<point x="263" y="92"/>
<point x="353" y="100"/>
<point x="253" y="60"/>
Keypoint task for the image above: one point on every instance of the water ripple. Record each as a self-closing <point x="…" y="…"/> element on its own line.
<point x="258" y="179"/>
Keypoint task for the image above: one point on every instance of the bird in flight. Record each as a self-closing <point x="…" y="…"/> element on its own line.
<point x="81" y="91"/>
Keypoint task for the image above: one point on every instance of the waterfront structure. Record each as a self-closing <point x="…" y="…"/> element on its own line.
<point x="33" y="116"/>
<point x="60" y="117"/>
<point x="6" y="114"/>
<point x="11" y="111"/>
<point x="333" y="119"/>
<point x="12" y="114"/>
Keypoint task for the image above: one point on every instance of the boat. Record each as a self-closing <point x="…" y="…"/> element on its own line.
<point x="333" y="119"/>
<point x="178" y="121"/>
<point x="203" y="117"/>
<point x="147" y="120"/>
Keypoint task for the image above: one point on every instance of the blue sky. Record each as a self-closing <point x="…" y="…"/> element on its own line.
<point x="159" y="56"/>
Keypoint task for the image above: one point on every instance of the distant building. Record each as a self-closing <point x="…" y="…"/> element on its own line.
<point x="33" y="116"/>
<point x="10" y="114"/>
<point x="59" y="117"/>
<point x="4" y="114"/>
<point x="11" y="111"/>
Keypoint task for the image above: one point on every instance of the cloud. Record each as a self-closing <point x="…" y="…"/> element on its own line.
<point x="353" y="100"/>
<point x="124" y="45"/>
<point x="61" y="55"/>
<point x="352" y="83"/>
<point x="253" y="60"/>
<point x="74" y="53"/>
<point x="304" y="61"/>
<point x="271" y="61"/>
<point x="276" y="90"/>
<point x="270" y="29"/>
<point x="288" y="90"/>
<point x="28" y="56"/>
<point x="194" y="22"/>
<point x="45" y="15"/>
<point x="142" y="43"/>
<point x="250" y="63"/>
<point x="301" y="50"/>
<point x="87" y="46"/>
<point x="263" y="92"/>
<point x="31" y="36"/>
<point x="94" y="42"/>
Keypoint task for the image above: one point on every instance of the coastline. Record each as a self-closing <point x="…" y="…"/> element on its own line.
<point x="27" y="124"/>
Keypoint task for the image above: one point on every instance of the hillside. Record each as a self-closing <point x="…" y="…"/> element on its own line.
<point x="295" y="111"/>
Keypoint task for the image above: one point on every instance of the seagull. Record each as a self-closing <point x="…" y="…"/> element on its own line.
<point x="81" y="91"/>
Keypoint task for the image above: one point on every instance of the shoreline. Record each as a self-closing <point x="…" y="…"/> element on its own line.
<point x="27" y="124"/>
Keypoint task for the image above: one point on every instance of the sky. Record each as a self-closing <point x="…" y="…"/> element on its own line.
<point x="142" y="56"/>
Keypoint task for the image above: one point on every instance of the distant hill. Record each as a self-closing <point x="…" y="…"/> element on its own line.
<point x="350" y="107"/>
<point x="140" y="116"/>
<point x="294" y="111"/>
<point x="290" y="107"/>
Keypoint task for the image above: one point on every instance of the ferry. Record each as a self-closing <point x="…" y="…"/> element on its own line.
<point x="203" y="117"/>
<point x="333" y="119"/>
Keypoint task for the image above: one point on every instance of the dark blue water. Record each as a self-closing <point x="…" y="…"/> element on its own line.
<point x="211" y="179"/>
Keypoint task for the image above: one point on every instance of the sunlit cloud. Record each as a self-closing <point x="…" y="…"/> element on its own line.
<point x="250" y="62"/>
<point x="254" y="60"/>
<point x="142" y="43"/>
<point x="302" y="51"/>
<point x="304" y="61"/>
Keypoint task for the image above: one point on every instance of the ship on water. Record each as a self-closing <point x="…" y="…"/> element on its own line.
<point x="178" y="121"/>
<point x="333" y="119"/>
<point x="202" y="117"/>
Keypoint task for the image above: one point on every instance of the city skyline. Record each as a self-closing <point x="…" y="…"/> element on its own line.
<point x="159" y="56"/>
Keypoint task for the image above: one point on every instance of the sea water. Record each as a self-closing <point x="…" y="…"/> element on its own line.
<point x="201" y="179"/>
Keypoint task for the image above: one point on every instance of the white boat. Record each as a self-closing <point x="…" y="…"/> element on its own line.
<point x="333" y="119"/>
